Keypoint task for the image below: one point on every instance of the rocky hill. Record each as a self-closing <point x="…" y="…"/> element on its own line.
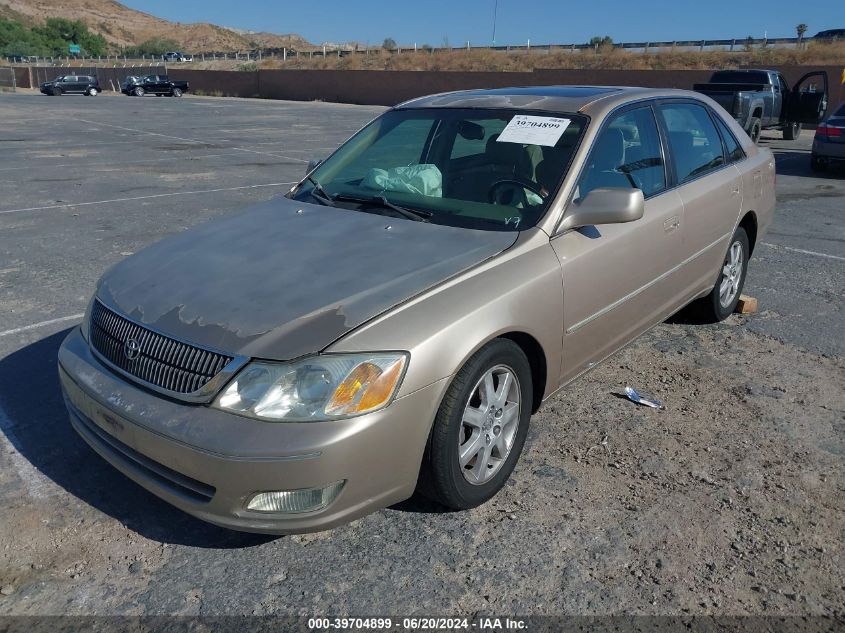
<point x="123" y="26"/>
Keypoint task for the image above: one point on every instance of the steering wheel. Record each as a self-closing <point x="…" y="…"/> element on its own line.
<point x="522" y="184"/>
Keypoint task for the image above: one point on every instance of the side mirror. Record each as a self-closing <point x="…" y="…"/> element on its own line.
<point x="606" y="205"/>
<point x="313" y="164"/>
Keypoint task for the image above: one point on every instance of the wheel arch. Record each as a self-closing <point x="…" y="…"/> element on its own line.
<point x="749" y="224"/>
<point x="536" y="360"/>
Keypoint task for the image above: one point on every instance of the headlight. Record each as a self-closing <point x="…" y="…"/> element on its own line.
<point x="317" y="388"/>
<point x="85" y="326"/>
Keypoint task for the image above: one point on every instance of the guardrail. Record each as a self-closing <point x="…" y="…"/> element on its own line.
<point x="726" y="45"/>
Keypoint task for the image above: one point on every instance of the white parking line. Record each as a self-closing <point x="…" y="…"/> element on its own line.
<point x="111" y="163"/>
<point x="187" y="140"/>
<point x="805" y="252"/>
<point x="157" y="195"/>
<point x="35" y="326"/>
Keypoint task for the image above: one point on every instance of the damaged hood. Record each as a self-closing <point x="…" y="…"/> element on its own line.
<point x="283" y="279"/>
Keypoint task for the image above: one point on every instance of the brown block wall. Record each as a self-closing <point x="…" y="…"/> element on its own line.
<point x="385" y="87"/>
<point x="224" y="83"/>
<point x="22" y="77"/>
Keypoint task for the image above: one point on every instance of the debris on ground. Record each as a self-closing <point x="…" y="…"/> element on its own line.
<point x="634" y="396"/>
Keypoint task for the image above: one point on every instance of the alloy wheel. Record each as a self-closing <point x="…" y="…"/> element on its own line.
<point x="489" y="424"/>
<point x="731" y="275"/>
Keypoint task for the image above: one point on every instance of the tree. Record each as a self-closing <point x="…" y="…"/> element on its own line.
<point x="599" y="41"/>
<point x="51" y="39"/>
<point x="800" y="30"/>
<point x="389" y="44"/>
<point x="58" y="33"/>
<point x="156" y="47"/>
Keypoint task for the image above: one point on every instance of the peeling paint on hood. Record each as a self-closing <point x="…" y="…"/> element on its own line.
<point x="283" y="278"/>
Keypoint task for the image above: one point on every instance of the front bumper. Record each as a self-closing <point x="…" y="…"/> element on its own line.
<point x="209" y="463"/>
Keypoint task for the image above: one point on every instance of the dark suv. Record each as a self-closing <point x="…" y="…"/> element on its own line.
<point x="72" y="84"/>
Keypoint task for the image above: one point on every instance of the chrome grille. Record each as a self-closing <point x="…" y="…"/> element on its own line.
<point x="161" y="361"/>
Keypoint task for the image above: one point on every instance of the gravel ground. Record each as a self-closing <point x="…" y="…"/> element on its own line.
<point x="731" y="501"/>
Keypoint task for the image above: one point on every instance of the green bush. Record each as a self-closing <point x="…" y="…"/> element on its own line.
<point x="157" y="47"/>
<point x="52" y="39"/>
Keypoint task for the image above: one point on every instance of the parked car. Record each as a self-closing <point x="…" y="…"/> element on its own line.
<point x="393" y="322"/>
<point x="177" y="56"/>
<point x="829" y="141"/>
<point x="153" y="84"/>
<point x="762" y="100"/>
<point x="72" y="84"/>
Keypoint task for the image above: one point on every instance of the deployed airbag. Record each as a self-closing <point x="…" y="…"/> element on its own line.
<point x="425" y="180"/>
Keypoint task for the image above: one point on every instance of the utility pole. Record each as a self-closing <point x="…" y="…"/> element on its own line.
<point x="495" y="12"/>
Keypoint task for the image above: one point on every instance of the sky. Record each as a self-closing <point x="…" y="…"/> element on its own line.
<point x="434" y="22"/>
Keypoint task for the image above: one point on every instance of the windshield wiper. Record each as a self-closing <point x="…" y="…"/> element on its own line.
<point x="321" y="194"/>
<point x="417" y="215"/>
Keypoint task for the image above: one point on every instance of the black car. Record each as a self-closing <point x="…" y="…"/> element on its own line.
<point x="72" y="84"/>
<point x="153" y="84"/>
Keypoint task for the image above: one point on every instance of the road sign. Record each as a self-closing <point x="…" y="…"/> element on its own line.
<point x="74" y="49"/>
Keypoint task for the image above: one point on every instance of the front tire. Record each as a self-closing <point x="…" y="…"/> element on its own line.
<point x="177" y="92"/>
<point x="139" y="91"/>
<point x="755" y="129"/>
<point x="722" y="300"/>
<point x="791" y="131"/>
<point x="93" y="92"/>
<point x="480" y="428"/>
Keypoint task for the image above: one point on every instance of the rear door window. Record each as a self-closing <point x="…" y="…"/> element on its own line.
<point x="693" y="138"/>
<point x="734" y="150"/>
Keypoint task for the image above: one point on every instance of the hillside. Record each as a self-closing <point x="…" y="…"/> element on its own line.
<point x="122" y="26"/>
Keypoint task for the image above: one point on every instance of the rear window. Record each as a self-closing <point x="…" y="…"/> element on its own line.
<point x="695" y="142"/>
<point x="739" y="77"/>
<point x="840" y="111"/>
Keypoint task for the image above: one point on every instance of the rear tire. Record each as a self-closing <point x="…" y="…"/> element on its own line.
<point x="791" y="131"/>
<point x="484" y="416"/>
<point x="755" y="129"/>
<point x="139" y="91"/>
<point x="722" y="300"/>
<point x="817" y="164"/>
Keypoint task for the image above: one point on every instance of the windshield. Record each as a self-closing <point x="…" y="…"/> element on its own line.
<point x="493" y="169"/>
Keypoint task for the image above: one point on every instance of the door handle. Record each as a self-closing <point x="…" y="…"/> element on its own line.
<point x="735" y="192"/>
<point x="670" y="224"/>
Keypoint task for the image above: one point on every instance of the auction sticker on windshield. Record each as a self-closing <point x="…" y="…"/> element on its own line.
<point x="534" y="130"/>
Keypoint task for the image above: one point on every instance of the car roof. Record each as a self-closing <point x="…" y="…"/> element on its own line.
<point x="591" y="100"/>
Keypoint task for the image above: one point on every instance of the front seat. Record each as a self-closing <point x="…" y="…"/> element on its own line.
<point x="608" y="156"/>
<point x="508" y="160"/>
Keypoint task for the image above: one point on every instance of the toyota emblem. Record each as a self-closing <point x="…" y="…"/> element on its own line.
<point x="131" y="349"/>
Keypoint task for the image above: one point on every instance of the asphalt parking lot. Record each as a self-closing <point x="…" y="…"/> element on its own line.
<point x="731" y="501"/>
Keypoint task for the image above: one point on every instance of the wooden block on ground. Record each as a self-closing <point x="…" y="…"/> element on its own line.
<point x="746" y="305"/>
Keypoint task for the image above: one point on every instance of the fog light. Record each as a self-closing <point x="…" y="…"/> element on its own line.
<point x="294" y="501"/>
